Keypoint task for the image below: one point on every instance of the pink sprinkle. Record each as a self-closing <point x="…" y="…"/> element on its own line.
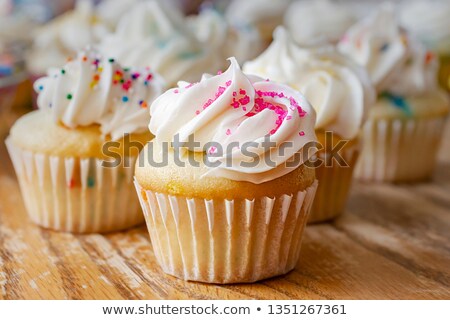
<point x="228" y="83"/>
<point x="212" y="150"/>
<point x="301" y="133"/>
<point x="219" y="72"/>
<point x="234" y="94"/>
<point x="245" y="100"/>
<point x="228" y="132"/>
<point x="288" y="117"/>
<point x="197" y="112"/>
<point x="242" y="91"/>
<point x="176" y="91"/>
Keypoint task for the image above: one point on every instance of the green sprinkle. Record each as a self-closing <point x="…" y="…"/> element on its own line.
<point x="69" y="96"/>
<point x="91" y="182"/>
<point x="111" y="60"/>
<point x="63" y="71"/>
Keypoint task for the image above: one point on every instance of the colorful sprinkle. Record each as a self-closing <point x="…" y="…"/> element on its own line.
<point x="125" y="99"/>
<point x="384" y="47"/>
<point x="69" y="96"/>
<point x="301" y="133"/>
<point x="399" y="102"/>
<point x="63" y="71"/>
<point x="111" y="60"/>
<point x="91" y="182"/>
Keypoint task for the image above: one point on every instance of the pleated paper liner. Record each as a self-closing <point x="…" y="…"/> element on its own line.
<point x="226" y="241"/>
<point x="76" y="195"/>
<point x="399" y="150"/>
<point x="334" y="186"/>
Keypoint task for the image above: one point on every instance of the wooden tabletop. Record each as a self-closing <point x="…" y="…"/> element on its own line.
<point x="393" y="242"/>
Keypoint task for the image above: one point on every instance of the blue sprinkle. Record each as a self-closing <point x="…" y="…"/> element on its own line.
<point x="41" y="87"/>
<point x="145" y="82"/>
<point x="188" y="55"/>
<point x="399" y="102"/>
<point x="125" y="99"/>
<point x="91" y="182"/>
<point x="384" y="47"/>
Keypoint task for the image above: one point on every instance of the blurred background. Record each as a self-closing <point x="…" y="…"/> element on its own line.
<point x="36" y="35"/>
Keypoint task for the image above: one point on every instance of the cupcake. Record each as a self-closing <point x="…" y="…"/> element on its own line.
<point x="264" y="15"/>
<point x="225" y="207"/>
<point x="340" y="93"/>
<point x="213" y="30"/>
<point x="15" y="88"/>
<point x="429" y="22"/>
<point x="404" y="127"/>
<point x="315" y="23"/>
<point x="154" y="34"/>
<point x="74" y="157"/>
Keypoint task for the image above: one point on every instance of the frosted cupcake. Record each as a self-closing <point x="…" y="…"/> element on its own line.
<point x="402" y="134"/>
<point x="340" y="93"/>
<point x="429" y="21"/>
<point x="213" y="30"/>
<point x="233" y="216"/>
<point x="319" y="22"/>
<point x="91" y="111"/>
<point x="264" y="15"/>
<point x="153" y="34"/>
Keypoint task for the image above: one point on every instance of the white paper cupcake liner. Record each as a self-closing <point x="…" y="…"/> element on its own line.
<point x="334" y="186"/>
<point x="76" y="195"/>
<point x="226" y="241"/>
<point x="399" y="150"/>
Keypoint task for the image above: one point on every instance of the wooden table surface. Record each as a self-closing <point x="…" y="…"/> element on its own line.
<point x="393" y="242"/>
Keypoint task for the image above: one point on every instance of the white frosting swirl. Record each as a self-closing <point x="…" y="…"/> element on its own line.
<point x="429" y="21"/>
<point x="317" y="22"/>
<point x="211" y="29"/>
<point x="417" y="75"/>
<point x="339" y="91"/>
<point x="376" y="43"/>
<point x="93" y="90"/>
<point x="153" y="34"/>
<point x="265" y="15"/>
<point x="232" y="107"/>
<point x="64" y="36"/>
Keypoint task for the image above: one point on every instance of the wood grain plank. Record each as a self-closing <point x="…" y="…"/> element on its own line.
<point x="392" y="243"/>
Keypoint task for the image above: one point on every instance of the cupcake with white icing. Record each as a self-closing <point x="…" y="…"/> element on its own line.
<point x="213" y="30"/>
<point x="340" y="92"/>
<point x="429" y="22"/>
<point x="91" y="112"/>
<point x="63" y="37"/>
<point x="265" y="15"/>
<point x="318" y="22"/>
<point x="402" y="134"/>
<point x="154" y="34"/>
<point x="226" y="209"/>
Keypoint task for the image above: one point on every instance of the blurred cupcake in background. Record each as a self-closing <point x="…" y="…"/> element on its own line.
<point x="264" y="15"/>
<point x="63" y="36"/>
<point x="109" y="12"/>
<point x="429" y="21"/>
<point x="228" y="216"/>
<point x="212" y="29"/>
<point x="15" y="87"/>
<point x="340" y="92"/>
<point x="154" y="34"/>
<point x="402" y="135"/>
<point x="58" y="151"/>
<point x="319" y="22"/>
